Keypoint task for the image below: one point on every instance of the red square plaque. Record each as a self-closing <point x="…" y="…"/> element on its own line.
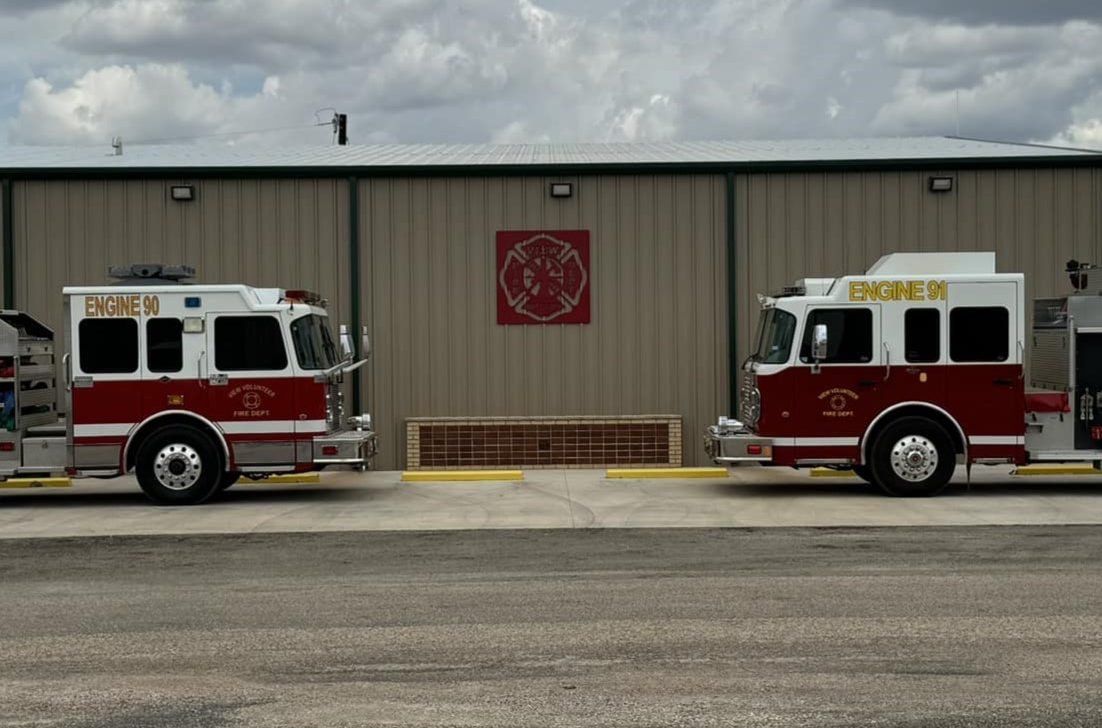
<point x="543" y="277"/>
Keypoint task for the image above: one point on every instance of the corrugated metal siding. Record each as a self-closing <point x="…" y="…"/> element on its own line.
<point x="794" y="225"/>
<point x="657" y="341"/>
<point x="290" y="233"/>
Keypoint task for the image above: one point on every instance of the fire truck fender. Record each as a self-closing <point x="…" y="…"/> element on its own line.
<point x="165" y="419"/>
<point x="914" y="409"/>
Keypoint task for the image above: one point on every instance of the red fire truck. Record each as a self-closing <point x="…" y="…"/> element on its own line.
<point x="915" y="366"/>
<point x="187" y="386"/>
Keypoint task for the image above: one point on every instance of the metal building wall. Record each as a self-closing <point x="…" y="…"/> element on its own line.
<point x="658" y="338"/>
<point x="658" y="341"/>
<point x="291" y="233"/>
<point x="789" y="226"/>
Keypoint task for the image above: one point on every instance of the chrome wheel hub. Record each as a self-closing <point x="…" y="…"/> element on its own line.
<point x="914" y="458"/>
<point x="177" y="467"/>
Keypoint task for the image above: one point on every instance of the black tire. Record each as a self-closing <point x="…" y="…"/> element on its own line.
<point x="179" y="466"/>
<point x="913" y="457"/>
<point x="864" y="472"/>
<point x="228" y="478"/>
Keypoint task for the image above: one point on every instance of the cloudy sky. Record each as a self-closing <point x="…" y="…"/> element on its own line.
<point x="413" y="71"/>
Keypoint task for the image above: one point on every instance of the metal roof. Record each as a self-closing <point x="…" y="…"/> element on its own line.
<point x="809" y="151"/>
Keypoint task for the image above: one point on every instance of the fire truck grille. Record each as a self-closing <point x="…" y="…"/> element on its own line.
<point x="749" y="400"/>
<point x="334" y="407"/>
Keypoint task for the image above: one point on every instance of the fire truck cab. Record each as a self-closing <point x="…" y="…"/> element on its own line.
<point x="187" y="386"/>
<point x="897" y="374"/>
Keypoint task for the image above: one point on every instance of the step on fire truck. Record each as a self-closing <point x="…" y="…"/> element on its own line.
<point x="916" y="365"/>
<point x="187" y="386"/>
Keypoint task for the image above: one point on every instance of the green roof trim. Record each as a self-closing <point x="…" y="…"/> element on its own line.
<point x="551" y="169"/>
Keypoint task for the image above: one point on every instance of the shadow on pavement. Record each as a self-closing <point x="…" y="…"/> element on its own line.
<point x="780" y="489"/>
<point x="295" y="494"/>
<point x="251" y="494"/>
<point x="1028" y="486"/>
<point x="1018" y="486"/>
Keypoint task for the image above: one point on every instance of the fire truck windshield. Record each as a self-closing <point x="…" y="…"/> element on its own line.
<point x="314" y="345"/>
<point x="775" y="336"/>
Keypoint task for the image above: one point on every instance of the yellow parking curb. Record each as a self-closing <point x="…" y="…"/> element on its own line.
<point x="638" y="473"/>
<point x="36" y="483"/>
<point x="422" y="476"/>
<point x="831" y="473"/>
<point x="283" y="479"/>
<point x="1057" y="469"/>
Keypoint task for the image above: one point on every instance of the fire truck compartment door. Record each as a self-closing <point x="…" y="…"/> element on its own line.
<point x="986" y="392"/>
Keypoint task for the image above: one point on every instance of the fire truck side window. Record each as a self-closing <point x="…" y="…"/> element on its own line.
<point x="249" y="343"/>
<point x="109" y="346"/>
<point x="164" y="344"/>
<point x="979" y="333"/>
<point x="849" y="335"/>
<point x="922" y="335"/>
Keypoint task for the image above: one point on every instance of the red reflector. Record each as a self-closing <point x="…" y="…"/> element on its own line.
<point x="753" y="449"/>
<point x="7" y="446"/>
<point x="329" y="450"/>
<point x="71" y="471"/>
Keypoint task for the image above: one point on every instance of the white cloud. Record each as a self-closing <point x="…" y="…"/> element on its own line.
<point x="147" y="102"/>
<point x="1026" y="96"/>
<point x="1087" y="134"/>
<point x="555" y="70"/>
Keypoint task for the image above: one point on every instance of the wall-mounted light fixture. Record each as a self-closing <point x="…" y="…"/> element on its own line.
<point x="182" y="193"/>
<point x="941" y="184"/>
<point x="562" y="189"/>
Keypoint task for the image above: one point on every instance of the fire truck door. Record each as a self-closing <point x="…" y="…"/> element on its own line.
<point x="105" y="370"/>
<point x="251" y="388"/>
<point x="986" y="391"/>
<point x="839" y="394"/>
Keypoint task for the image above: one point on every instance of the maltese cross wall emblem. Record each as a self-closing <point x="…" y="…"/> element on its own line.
<point x="543" y="277"/>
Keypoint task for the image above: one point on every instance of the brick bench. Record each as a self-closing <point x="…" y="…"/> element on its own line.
<point x="543" y="442"/>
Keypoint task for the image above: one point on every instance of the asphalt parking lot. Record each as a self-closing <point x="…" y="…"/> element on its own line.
<point x="976" y="627"/>
<point x="380" y="501"/>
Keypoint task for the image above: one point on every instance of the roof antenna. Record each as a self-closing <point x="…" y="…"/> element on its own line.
<point x="958" y="112"/>
<point x="116" y="144"/>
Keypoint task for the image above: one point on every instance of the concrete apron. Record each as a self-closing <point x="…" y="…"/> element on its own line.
<point x="752" y="497"/>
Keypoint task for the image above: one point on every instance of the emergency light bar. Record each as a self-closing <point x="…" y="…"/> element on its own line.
<point x="299" y="295"/>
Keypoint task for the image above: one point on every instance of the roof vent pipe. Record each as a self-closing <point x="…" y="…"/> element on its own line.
<point x="116" y="144"/>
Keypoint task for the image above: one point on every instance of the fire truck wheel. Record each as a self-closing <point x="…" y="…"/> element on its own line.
<point x="913" y="457"/>
<point x="228" y="479"/>
<point x="179" y="466"/>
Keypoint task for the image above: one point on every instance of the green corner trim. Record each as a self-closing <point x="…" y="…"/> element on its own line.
<point x="9" y="246"/>
<point x="732" y="299"/>
<point x="354" y="279"/>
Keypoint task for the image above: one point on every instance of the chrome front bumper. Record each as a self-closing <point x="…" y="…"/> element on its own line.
<point x="346" y="447"/>
<point x="732" y="443"/>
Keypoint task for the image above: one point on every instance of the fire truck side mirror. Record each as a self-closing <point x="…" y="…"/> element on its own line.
<point x="365" y="343"/>
<point x="346" y="343"/>
<point x="819" y="342"/>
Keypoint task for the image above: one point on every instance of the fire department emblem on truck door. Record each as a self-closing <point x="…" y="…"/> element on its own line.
<point x="839" y="400"/>
<point x="251" y="400"/>
<point x="543" y="277"/>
